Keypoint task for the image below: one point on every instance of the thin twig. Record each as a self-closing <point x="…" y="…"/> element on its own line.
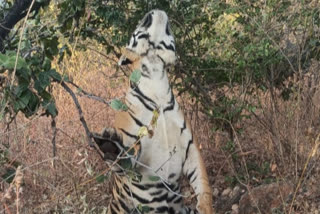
<point x="311" y="154"/>
<point x="89" y="135"/>
<point x="83" y="121"/>
<point x="163" y="181"/>
<point x="54" y="148"/>
<point x="27" y="167"/>
<point x="90" y="95"/>
<point x="19" y="45"/>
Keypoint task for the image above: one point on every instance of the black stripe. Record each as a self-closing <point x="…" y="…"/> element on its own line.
<point x="137" y="33"/>
<point x="148" y="21"/>
<point x="168" y="47"/>
<point x="135" y="43"/>
<point x="128" y="134"/>
<point x="153" y="185"/>
<point x="126" y="62"/>
<point x="167" y="29"/>
<point x="113" y="211"/>
<point x="136" y="120"/>
<point x="152" y="44"/>
<point x="195" y="177"/>
<point x="156" y="193"/>
<point x="145" y="75"/>
<point x="114" y="207"/>
<point x="116" y="187"/>
<point x="162" y="209"/>
<point x="138" y="91"/>
<point x="183" y="127"/>
<point x="172" y="175"/>
<point x="124" y="206"/>
<point x="156" y="185"/>
<point x="178" y="200"/>
<point x="159" y="47"/>
<point x="171" y="104"/>
<point x="160" y="199"/>
<point x="170" y="199"/>
<point x="191" y="174"/>
<point x="171" y="210"/>
<point x="135" y="196"/>
<point x="145" y="69"/>
<point x="139" y="186"/>
<point x="143" y="102"/>
<point x="189" y="143"/>
<point x="176" y="188"/>
<point x="144" y="36"/>
<point x="162" y="60"/>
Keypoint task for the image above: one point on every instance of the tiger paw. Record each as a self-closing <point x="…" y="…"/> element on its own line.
<point x="129" y="57"/>
<point x="109" y="143"/>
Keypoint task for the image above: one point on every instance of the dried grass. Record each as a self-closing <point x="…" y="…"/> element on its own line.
<point x="283" y="133"/>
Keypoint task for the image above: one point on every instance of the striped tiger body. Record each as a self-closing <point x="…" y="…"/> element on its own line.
<point x="161" y="159"/>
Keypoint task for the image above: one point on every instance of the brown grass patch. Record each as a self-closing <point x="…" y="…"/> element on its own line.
<point x="274" y="145"/>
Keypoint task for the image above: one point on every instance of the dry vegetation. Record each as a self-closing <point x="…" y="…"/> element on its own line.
<point x="278" y="143"/>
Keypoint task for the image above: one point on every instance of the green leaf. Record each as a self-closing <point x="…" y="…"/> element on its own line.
<point x="23" y="75"/>
<point x="3" y="58"/>
<point x="46" y="97"/>
<point x="51" y="44"/>
<point x="145" y="209"/>
<point x="22" y="63"/>
<point x="8" y="175"/>
<point x="55" y="75"/>
<point x="101" y="178"/>
<point x="139" y="207"/>
<point x="118" y="105"/>
<point x="44" y="79"/>
<point x="154" y="178"/>
<point x="51" y="109"/>
<point x="23" y="100"/>
<point x="135" y="76"/>
<point x="23" y="85"/>
<point x="125" y="163"/>
<point x="65" y="78"/>
<point x="46" y="64"/>
<point x="8" y="61"/>
<point x="32" y="106"/>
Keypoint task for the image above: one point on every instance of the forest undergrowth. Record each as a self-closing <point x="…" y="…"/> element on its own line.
<point x="273" y="144"/>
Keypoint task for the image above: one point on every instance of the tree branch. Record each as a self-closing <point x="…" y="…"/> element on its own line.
<point x="83" y="121"/>
<point x="89" y="134"/>
<point x="90" y="95"/>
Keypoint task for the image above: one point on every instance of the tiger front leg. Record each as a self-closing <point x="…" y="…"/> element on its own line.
<point x="196" y="173"/>
<point x="109" y="143"/>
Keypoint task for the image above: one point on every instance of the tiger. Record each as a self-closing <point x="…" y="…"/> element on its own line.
<point x="169" y="151"/>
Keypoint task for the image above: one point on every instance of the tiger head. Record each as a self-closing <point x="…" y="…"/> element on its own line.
<point x="152" y="33"/>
